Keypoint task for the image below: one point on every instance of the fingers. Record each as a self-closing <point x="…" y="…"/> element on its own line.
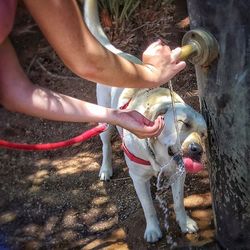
<point x="139" y="124"/>
<point x="175" y="54"/>
<point x="156" y="128"/>
<point x="159" y="123"/>
<point x="164" y="50"/>
<point x="157" y="48"/>
<point x="180" y="66"/>
<point x="154" y="44"/>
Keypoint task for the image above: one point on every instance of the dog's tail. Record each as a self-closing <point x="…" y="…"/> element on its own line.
<point x="91" y="17"/>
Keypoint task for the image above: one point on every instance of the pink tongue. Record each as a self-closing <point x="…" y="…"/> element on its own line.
<point x="192" y="166"/>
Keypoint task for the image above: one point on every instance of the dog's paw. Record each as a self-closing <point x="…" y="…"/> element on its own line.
<point x="106" y="174"/>
<point x="189" y="226"/>
<point x="152" y="234"/>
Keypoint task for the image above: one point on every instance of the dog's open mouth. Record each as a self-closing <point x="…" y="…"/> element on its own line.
<point x="192" y="166"/>
<point x="191" y="158"/>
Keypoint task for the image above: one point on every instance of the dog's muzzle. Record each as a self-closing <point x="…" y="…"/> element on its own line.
<point x="192" y="151"/>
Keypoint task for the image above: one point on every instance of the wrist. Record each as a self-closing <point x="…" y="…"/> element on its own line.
<point x="152" y="75"/>
<point x="113" y="116"/>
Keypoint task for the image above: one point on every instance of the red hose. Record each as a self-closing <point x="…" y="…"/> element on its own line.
<point x="55" y="145"/>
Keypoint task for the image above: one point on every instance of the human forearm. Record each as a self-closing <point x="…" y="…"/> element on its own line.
<point x="18" y="94"/>
<point x="43" y="103"/>
<point x="62" y="24"/>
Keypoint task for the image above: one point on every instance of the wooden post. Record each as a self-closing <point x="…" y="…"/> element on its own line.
<point x="224" y="89"/>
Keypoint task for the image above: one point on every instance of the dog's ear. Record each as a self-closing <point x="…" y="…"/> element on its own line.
<point x="152" y="112"/>
<point x="159" y="101"/>
<point x="128" y="93"/>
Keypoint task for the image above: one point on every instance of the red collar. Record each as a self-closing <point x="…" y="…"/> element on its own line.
<point x="131" y="156"/>
<point x="124" y="106"/>
<point x="134" y="158"/>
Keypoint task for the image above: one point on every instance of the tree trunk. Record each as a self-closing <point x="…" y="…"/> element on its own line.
<point x="224" y="89"/>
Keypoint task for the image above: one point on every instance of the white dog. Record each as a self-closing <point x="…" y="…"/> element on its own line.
<point x="146" y="157"/>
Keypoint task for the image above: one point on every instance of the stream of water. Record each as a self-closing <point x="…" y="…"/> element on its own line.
<point x="166" y="177"/>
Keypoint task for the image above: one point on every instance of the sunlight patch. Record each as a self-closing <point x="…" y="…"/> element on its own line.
<point x="98" y="201"/>
<point x="7" y="217"/>
<point x="39" y="176"/>
<point x="91" y="215"/>
<point x="71" y="166"/>
<point x="103" y="225"/>
<point x="42" y="162"/>
<point x="197" y="200"/>
<point x="70" y="218"/>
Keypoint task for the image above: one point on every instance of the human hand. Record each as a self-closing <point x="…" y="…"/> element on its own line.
<point x="162" y="61"/>
<point x="138" y="124"/>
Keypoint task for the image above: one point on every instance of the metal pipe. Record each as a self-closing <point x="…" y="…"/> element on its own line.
<point x="188" y="50"/>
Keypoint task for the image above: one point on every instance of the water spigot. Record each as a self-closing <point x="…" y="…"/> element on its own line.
<point x="199" y="47"/>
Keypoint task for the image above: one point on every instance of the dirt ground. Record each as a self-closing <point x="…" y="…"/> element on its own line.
<point x="54" y="199"/>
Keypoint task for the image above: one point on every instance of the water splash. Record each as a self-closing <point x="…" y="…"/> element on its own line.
<point x="165" y="179"/>
<point x="167" y="176"/>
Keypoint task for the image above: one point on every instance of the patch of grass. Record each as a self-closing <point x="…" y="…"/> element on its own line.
<point x="119" y="10"/>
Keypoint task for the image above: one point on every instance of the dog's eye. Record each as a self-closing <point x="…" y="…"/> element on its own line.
<point x="170" y="151"/>
<point x="186" y="124"/>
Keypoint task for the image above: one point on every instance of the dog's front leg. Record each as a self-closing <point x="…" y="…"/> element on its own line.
<point x="103" y="94"/>
<point x="106" y="170"/>
<point x="142" y="187"/>
<point x="186" y="224"/>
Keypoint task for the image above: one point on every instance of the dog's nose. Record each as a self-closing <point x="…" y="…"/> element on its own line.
<point x="195" y="149"/>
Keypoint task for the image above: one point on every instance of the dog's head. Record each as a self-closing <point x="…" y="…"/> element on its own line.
<point x="192" y="131"/>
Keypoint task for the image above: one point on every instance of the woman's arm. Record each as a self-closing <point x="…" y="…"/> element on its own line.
<point x="63" y="26"/>
<point x="18" y="94"/>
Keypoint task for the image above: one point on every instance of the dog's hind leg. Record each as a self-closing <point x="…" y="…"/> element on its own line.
<point x="142" y="187"/>
<point x="186" y="224"/>
<point x="104" y="99"/>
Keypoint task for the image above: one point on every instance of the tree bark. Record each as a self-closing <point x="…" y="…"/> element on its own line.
<point x="224" y="90"/>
